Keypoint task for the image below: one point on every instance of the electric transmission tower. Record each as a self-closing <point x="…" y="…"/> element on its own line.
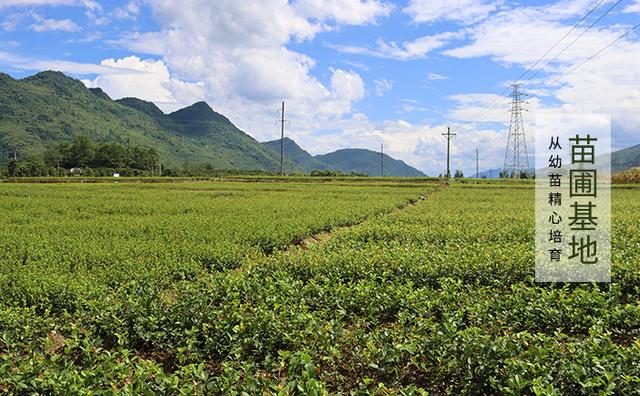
<point x="516" y="159"/>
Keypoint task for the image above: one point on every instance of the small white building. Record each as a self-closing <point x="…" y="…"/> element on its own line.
<point x="76" y="171"/>
<point x="116" y="175"/>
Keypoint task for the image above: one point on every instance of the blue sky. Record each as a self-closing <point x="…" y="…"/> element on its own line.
<point x="354" y="73"/>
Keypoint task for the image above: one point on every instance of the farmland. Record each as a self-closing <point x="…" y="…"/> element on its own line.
<point x="217" y="287"/>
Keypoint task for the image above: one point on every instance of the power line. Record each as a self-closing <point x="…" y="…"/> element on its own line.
<point x="601" y="50"/>
<point x="576" y="39"/>
<point x="500" y="98"/>
<point x="559" y="41"/>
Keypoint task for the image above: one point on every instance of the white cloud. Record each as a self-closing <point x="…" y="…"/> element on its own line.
<point x="11" y="21"/>
<point x="521" y="36"/>
<point x="129" y="11"/>
<point x="75" y="68"/>
<point x="148" y="80"/>
<point x="420" y="145"/>
<point x="418" y="48"/>
<point x="411" y="106"/>
<point x="350" y="12"/>
<point x="31" y="3"/>
<point x="633" y="7"/>
<point x="89" y="4"/>
<point x="238" y="52"/>
<point x="436" y="76"/>
<point x="382" y="86"/>
<point x="467" y="11"/>
<point x="47" y="25"/>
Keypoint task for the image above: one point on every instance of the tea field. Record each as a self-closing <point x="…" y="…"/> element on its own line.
<point x="211" y="288"/>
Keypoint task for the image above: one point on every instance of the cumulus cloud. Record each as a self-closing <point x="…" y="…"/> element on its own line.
<point x="239" y="54"/>
<point x="146" y="79"/>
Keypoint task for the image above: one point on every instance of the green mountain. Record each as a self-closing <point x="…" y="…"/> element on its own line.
<point x="302" y="161"/>
<point x="625" y="158"/>
<point x="41" y="111"/>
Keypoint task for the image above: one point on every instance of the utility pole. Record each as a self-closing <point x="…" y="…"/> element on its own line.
<point x="449" y="135"/>
<point x="159" y="167"/>
<point x="477" y="168"/>
<point x="382" y="159"/>
<point x="282" y="141"/>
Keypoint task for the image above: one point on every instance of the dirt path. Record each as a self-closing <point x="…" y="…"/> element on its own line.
<point x="323" y="237"/>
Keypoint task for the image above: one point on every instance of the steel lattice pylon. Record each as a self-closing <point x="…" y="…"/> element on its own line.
<point x="516" y="159"/>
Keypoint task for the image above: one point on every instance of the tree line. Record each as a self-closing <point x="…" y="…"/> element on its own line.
<point x="82" y="156"/>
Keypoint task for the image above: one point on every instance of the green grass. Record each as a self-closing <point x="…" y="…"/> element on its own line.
<point x="114" y="294"/>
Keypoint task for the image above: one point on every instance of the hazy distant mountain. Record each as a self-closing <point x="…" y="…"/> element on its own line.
<point x="488" y="174"/>
<point x="620" y="160"/>
<point x="345" y="160"/>
<point x="302" y="161"/>
<point x="366" y="161"/>
<point x="626" y="158"/>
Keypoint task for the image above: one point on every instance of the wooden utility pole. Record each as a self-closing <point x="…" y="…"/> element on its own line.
<point x="449" y="135"/>
<point x="382" y="159"/>
<point x="477" y="168"/>
<point x="282" y="141"/>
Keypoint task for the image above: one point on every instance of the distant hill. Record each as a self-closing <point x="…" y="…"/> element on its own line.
<point x="621" y="160"/>
<point x="494" y="173"/>
<point x="345" y="160"/>
<point x="41" y="111"/>
<point x="625" y="159"/>
<point x="302" y="161"/>
<point x="488" y="174"/>
<point x="366" y="161"/>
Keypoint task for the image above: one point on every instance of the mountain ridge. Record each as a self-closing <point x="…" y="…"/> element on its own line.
<point x="41" y="111"/>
